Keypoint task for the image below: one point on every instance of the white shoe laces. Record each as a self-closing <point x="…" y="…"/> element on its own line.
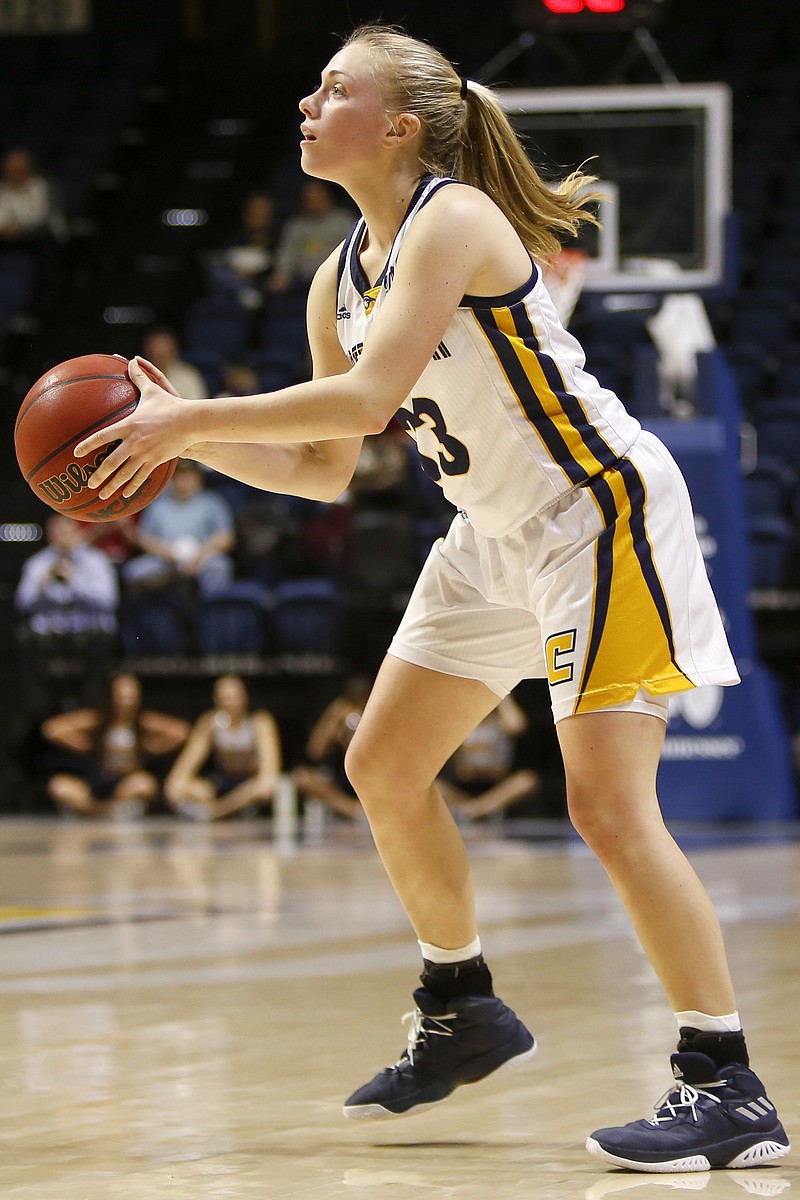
<point x="419" y="1030"/>
<point x="687" y="1097"/>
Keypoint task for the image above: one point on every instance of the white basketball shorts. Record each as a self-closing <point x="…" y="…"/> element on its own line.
<point x="604" y="593"/>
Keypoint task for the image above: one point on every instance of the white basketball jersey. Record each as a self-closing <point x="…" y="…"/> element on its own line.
<point x="505" y="417"/>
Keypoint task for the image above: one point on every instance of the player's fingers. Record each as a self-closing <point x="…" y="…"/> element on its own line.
<point x="116" y="480"/>
<point x="115" y="469"/>
<point x="136" y="481"/>
<point x="140" y="370"/>
<point x="96" y="441"/>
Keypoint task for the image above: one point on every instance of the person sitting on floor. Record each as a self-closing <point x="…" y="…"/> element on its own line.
<point x="231" y="760"/>
<point x="112" y="745"/>
<point x="332" y="733"/>
<point x="478" y="779"/>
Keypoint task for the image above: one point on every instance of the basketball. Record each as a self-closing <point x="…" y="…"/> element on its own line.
<point x="68" y="403"/>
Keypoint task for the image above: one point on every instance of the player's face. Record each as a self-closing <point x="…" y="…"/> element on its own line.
<point x="344" y="119"/>
<point x="230" y="694"/>
<point x="126" y="693"/>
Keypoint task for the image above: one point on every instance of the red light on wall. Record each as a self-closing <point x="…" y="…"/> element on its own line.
<point x="565" y="7"/>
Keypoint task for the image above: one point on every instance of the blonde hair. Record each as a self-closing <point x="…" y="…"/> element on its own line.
<point x="469" y="137"/>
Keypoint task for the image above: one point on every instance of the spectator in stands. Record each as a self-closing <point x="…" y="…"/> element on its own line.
<point x="162" y="348"/>
<point x="308" y="238"/>
<point x="68" y="595"/>
<point x="111" y="746"/>
<point x="29" y="213"/>
<point x="239" y="379"/>
<point x="379" y="480"/>
<point x="478" y="780"/>
<point x="231" y="760"/>
<point x="186" y="536"/>
<point x="242" y="268"/>
<point x="325" y="779"/>
<point x="117" y="539"/>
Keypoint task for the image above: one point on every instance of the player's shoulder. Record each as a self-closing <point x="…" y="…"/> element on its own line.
<point x="452" y="198"/>
<point x="457" y="210"/>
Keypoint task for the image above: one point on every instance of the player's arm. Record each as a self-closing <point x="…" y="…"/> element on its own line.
<point x="316" y="470"/>
<point x="325" y="734"/>
<point x="268" y="747"/>
<point x="75" y="730"/>
<point x="448" y="252"/>
<point x="161" y="732"/>
<point x="512" y="718"/>
<point x="194" y="753"/>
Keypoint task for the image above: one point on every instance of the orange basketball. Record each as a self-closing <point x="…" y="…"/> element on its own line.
<point x="67" y="404"/>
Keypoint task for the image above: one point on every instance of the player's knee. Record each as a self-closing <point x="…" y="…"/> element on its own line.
<point x="363" y="769"/>
<point x="380" y="773"/>
<point x="592" y="819"/>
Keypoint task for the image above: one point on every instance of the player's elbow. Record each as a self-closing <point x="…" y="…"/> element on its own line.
<point x="376" y="396"/>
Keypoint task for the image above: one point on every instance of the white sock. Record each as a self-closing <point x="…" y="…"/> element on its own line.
<point x="436" y="954"/>
<point x="707" y="1024"/>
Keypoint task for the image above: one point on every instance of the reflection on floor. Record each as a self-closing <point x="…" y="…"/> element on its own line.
<point x="185" y="1008"/>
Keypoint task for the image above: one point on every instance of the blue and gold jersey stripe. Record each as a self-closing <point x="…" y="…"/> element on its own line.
<point x="631" y="619"/>
<point x="558" y="416"/>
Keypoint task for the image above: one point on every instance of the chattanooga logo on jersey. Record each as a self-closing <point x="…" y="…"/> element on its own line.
<point x="370" y="299"/>
<point x="700" y="709"/>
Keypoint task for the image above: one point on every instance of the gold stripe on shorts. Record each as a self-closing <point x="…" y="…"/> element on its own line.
<point x="631" y="642"/>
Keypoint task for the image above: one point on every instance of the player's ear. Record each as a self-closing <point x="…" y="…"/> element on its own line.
<point x="403" y="128"/>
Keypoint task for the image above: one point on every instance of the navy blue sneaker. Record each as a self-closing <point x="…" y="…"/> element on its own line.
<point x="713" y="1117"/>
<point x="449" y="1043"/>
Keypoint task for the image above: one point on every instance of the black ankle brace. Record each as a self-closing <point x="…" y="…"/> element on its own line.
<point x="446" y="980"/>
<point x="722" y="1047"/>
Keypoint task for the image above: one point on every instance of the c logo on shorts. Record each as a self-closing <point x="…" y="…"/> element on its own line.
<point x="557" y="646"/>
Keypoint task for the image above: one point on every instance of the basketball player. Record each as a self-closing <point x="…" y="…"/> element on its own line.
<point x="572" y="555"/>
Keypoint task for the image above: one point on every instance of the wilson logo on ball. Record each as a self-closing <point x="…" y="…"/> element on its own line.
<point x="73" y="480"/>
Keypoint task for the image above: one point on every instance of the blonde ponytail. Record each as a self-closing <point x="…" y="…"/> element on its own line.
<point x="467" y="135"/>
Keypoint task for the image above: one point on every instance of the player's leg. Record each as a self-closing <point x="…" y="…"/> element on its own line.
<point x="133" y="793"/>
<point x="317" y="785"/>
<point x="193" y="797"/>
<point x="72" y="792"/>
<point x="611" y="760"/>
<point x="502" y="795"/>
<point x="414" y="721"/>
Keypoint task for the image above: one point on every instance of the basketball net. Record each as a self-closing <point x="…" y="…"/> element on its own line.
<point x="564" y="276"/>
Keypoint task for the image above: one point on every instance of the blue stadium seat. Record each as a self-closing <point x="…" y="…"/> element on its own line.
<point x="234" y="621"/>
<point x="777" y="426"/>
<point x="747" y="363"/>
<point x="772" y="544"/>
<point x="157" y="625"/>
<point x="17" y="279"/>
<point x="768" y="488"/>
<point x="288" y="332"/>
<point x="307" y="616"/>
<point x="224" y="333"/>
<point x="765" y="322"/>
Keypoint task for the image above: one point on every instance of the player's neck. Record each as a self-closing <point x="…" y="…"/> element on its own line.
<point x="383" y="204"/>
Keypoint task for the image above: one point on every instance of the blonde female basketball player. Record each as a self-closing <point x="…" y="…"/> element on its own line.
<point x="572" y="556"/>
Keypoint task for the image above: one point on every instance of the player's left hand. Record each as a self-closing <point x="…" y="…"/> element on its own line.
<point x="152" y="434"/>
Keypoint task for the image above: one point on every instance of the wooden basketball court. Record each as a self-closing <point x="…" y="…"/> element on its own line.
<point x="185" y="1008"/>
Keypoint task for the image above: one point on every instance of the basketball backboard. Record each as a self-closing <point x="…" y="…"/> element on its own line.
<point x="663" y="153"/>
